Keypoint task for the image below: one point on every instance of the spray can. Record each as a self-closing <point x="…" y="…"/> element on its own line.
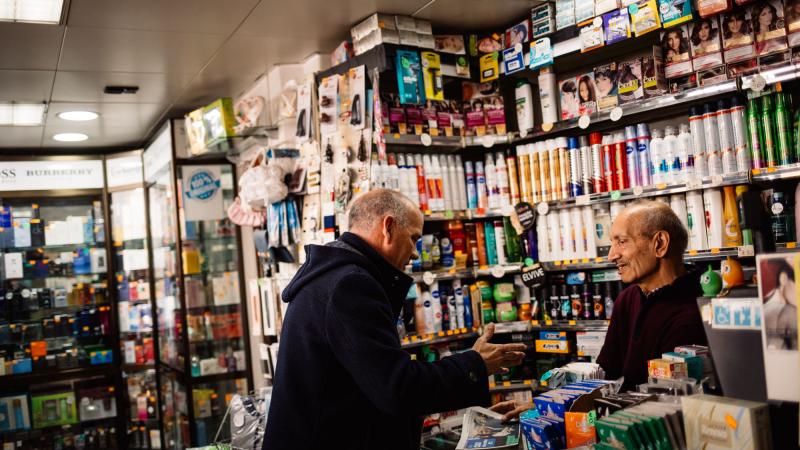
<point x="502" y="179"/>
<point x="711" y="130"/>
<point x="472" y="190"/>
<point x="586" y="164"/>
<point x="544" y="171"/>
<point x="783" y="129"/>
<point x="698" y="142"/>
<point x="447" y="183"/>
<point x="536" y="193"/>
<point x="696" y="219"/>
<point x="480" y="183"/>
<point x="609" y="164"/>
<point x="631" y="155"/>
<point x="643" y="153"/>
<point x="597" y="174"/>
<point x="620" y="160"/>
<point x="525" y="182"/>
<point x="563" y="160"/>
<point x="747" y="232"/>
<point x="491" y="243"/>
<point x="712" y="201"/>
<point x="656" y="156"/>
<point x="686" y="152"/>
<point x="755" y="134"/>
<point x="739" y="124"/>
<point x="513" y="178"/>
<point x="555" y="173"/>
<point x="565" y="227"/>
<point x="500" y="241"/>
<point x="670" y="155"/>
<point x="677" y="202"/>
<point x="768" y="123"/>
<point x="575" y="176"/>
<point x="492" y="189"/>
<point x="455" y="162"/>
<point x="725" y="124"/>
<point x="421" y="183"/>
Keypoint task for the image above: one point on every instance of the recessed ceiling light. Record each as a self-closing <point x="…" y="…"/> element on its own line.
<point x="70" y="137"/>
<point x="78" y="116"/>
<point x="22" y="114"/>
<point x="36" y="11"/>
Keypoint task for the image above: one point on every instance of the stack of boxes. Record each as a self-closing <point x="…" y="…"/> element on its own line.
<point x="380" y="29"/>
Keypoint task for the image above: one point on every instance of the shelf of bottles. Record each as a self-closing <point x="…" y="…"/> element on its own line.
<point x="134" y="307"/>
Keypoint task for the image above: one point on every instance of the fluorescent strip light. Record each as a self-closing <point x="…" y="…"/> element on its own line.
<point x="34" y="11"/>
<point x="70" y="137"/>
<point x="78" y="116"/>
<point x="22" y="114"/>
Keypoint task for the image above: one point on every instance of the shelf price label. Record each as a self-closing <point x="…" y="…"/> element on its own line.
<point x="791" y="245"/>
<point x="745" y="251"/>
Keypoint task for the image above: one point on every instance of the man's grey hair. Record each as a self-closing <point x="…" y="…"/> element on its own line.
<point x="653" y="216"/>
<point x="372" y="207"/>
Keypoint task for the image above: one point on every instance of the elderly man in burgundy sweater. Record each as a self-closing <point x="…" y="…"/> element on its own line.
<point x="658" y="310"/>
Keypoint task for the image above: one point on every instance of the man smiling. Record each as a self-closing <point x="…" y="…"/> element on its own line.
<point x="658" y="311"/>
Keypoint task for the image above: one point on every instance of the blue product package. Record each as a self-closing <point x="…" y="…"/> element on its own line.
<point x="88" y="230"/>
<point x="24" y="365"/>
<point x="22" y="232"/>
<point x="467" y="308"/>
<point x="5" y="423"/>
<point x="576" y="278"/>
<point x="674" y="12"/>
<point x="553" y="335"/>
<point x="616" y="25"/>
<point x="293" y="221"/>
<point x="409" y="79"/>
<point x="513" y="60"/>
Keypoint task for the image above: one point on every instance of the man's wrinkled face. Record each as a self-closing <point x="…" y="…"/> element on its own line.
<point x="633" y="253"/>
<point x="400" y="242"/>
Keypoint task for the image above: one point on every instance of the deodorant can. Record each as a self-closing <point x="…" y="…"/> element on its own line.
<point x="631" y="154"/>
<point x="643" y="152"/>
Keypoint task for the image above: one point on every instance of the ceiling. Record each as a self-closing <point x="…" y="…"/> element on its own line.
<point x="182" y="54"/>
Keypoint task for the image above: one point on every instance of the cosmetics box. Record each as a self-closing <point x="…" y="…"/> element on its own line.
<point x="653" y="81"/>
<point x="629" y="81"/>
<point x="568" y="92"/>
<point x="423" y="26"/>
<point x="54" y="409"/>
<point x="674" y="12"/>
<point x="592" y="36"/>
<point x="675" y="48"/>
<point x="219" y="119"/>
<point x="584" y="11"/>
<point x="543" y="12"/>
<point x="543" y="28"/>
<point x="646" y="18"/>
<point x="450" y="43"/>
<point x="426" y="41"/>
<point x="605" y="80"/>
<point x="375" y="38"/>
<point x="664" y="368"/>
<point x="405" y="23"/>
<point x="97" y="403"/>
<point x="770" y="38"/>
<point x="616" y="26"/>
<point x="603" y="6"/>
<point x="706" y="43"/>
<point x="721" y="423"/>
<point x="518" y="34"/>
<point x="409" y="38"/>
<point x="375" y="22"/>
<point x="14" y="413"/>
<point x="738" y="42"/>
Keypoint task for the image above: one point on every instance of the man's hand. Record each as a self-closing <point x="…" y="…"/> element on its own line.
<point x="511" y="409"/>
<point x="498" y="357"/>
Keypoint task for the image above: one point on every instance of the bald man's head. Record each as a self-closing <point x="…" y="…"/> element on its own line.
<point x="369" y="209"/>
<point x="649" y="217"/>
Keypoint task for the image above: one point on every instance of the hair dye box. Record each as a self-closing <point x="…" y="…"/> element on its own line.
<point x="721" y="423"/>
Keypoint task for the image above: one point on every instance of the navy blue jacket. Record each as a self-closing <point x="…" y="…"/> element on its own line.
<point x="342" y="379"/>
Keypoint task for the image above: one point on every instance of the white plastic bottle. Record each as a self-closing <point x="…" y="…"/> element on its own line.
<point x="436" y="302"/>
<point x="491" y="182"/>
<point x="698" y="142"/>
<point x="500" y="241"/>
<point x="696" y="220"/>
<point x="411" y="179"/>
<point x="678" y="204"/>
<point x="543" y="239"/>
<point x="548" y="95"/>
<point x="578" y="233"/>
<point x="402" y="182"/>
<point x="614" y="210"/>
<point x="567" y="239"/>
<point x="430" y="182"/>
<point x="657" y="156"/>
<point x="590" y="230"/>
<point x="480" y="183"/>
<point x="502" y="179"/>
<point x="726" y="138"/>
<point x="712" y="202"/>
<point x="458" y="292"/>
<point x="670" y="155"/>
<point x="447" y="183"/>
<point x="461" y="183"/>
<point x="686" y="153"/>
<point x="554" y="231"/>
<point x="524" y="97"/>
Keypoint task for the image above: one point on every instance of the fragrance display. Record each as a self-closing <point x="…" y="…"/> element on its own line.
<point x="197" y="289"/>
<point x="131" y="280"/>
<point x="57" y="329"/>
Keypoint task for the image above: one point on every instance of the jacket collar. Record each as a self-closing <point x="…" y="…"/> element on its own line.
<point x="394" y="281"/>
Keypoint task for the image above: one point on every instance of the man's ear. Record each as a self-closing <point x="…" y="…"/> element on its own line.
<point x="661" y="243"/>
<point x="389" y="225"/>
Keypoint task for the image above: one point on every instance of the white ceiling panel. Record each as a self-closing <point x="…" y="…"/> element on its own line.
<point x="188" y="16"/>
<point x="20" y="137"/>
<point x="107" y="50"/>
<point x="26" y="85"/>
<point x="318" y="19"/>
<point x="476" y="14"/>
<point x="88" y="86"/>
<point x="29" y="46"/>
<point x="125" y="122"/>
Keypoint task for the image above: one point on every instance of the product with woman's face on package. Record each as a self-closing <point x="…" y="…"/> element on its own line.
<point x="605" y="82"/>
<point x="706" y="43"/>
<point x="737" y="35"/>
<point x="768" y="27"/>
<point x="675" y="50"/>
<point x="587" y="94"/>
<point x="793" y="21"/>
<point x="570" y="104"/>
<point x="629" y="81"/>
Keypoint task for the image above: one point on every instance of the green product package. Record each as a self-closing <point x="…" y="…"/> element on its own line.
<point x="656" y="434"/>
<point x="636" y="430"/>
<point x="409" y="79"/>
<point x="616" y="435"/>
<point x="491" y="245"/>
<point x="674" y="12"/>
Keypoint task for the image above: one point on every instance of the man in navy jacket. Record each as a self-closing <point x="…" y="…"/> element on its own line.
<point x="342" y="379"/>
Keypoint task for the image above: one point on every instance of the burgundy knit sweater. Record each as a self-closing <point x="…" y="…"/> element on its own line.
<point x="643" y="327"/>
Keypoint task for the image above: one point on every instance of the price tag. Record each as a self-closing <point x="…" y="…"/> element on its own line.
<point x="758" y="83"/>
<point x="548" y="323"/>
<point x="506" y="383"/>
<point x="498" y="271"/>
<point x="527" y="382"/>
<point x="557" y="263"/>
<point x="715" y="251"/>
<point x="791" y="245"/>
<point x="428" y="278"/>
<point x="772" y="169"/>
<point x="488" y="141"/>
<point x="582" y="200"/>
<point x="694" y="183"/>
<point x="426" y="139"/>
<point x="661" y="186"/>
<point x="584" y="122"/>
<point x="580" y="353"/>
<point x="745" y="251"/>
<point x="546" y="127"/>
<point x="756" y="171"/>
<point x="572" y="323"/>
<point x="717" y="180"/>
<point x="616" y="195"/>
<point x="535" y="323"/>
<point x="463" y="330"/>
<point x="405" y="340"/>
<point x="638" y="190"/>
<point x="543" y="208"/>
<point x="616" y="114"/>
<point x="449" y="332"/>
<point x="492" y="385"/>
<point x="599" y="259"/>
<point x="585" y="260"/>
<point x="692" y="252"/>
<point x="396" y="135"/>
<point x="523" y="134"/>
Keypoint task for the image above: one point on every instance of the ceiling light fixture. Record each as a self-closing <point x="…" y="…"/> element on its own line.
<point x="70" y="137"/>
<point x="78" y="116"/>
<point x="22" y="114"/>
<point x="34" y="11"/>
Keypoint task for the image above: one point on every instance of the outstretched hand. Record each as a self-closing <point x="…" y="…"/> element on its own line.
<point x="498" y="357"/>
<point x="511" y="409"/>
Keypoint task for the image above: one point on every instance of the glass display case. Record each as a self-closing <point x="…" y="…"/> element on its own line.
<point x="197" y="286"/>
<point x="58" y="327"/>
<point x="131" y="281"/>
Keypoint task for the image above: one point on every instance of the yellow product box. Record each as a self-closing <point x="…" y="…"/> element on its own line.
<point x="552" y="346"/>
<point x="219" y="119"/>
<point x="664" y="368"/>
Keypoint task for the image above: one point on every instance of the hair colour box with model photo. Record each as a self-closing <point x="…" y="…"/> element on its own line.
<point x="737" y="36"/>
<point x="570" y="104"/>
<point x="605" y="82"/>
<point x="653" y="81"/>
<point x="792" y="15"/>
<point x="675" y="49"/>
<point x="706" y="44"/>
<point x="768" y="27"/>
<point x="587" y="94"/>
<point x="629" y="81"/>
